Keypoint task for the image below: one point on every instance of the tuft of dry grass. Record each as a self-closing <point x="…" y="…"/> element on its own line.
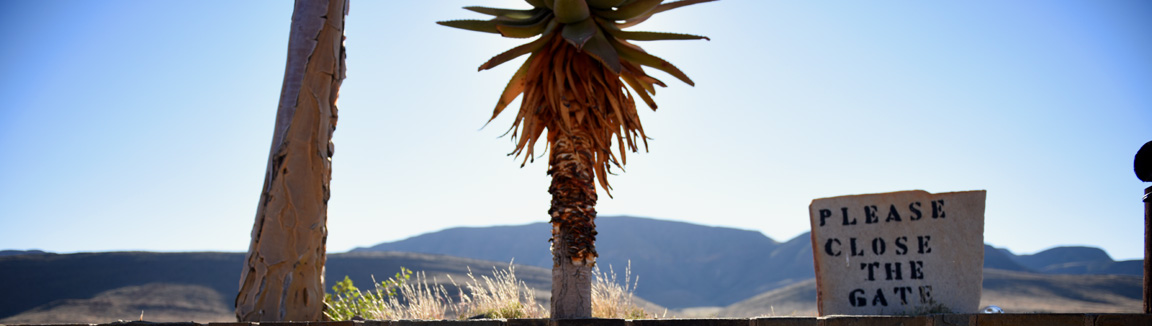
<point x="500" y="296"/>
<point x="611" y="299"/>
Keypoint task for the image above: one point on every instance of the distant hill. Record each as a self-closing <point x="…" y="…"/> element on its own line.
<point x="679" y="264"/>
<point x="687" y="265"/>
<point x="28" y="281"/>
<point x="20" y="252"/>
<point x="76" y="284"/>
<point x="1015" y="292"/>
<point x="1075" y="260"/>
<point x="1002" y="259"/>
<point x="523" y="243"/>
<point x="1079" y="260"/>
<point x="157" y="301"/>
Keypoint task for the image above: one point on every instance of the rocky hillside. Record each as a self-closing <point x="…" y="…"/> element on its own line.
<point x="687" y="265"/>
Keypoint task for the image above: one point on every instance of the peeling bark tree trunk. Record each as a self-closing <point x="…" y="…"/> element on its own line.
<point x="573" y="214"/>
<point x="283" y="278"/>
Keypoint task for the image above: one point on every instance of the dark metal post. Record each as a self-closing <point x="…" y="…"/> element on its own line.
<point x="1148" y="250"/>
<point x="1142" y="165"/>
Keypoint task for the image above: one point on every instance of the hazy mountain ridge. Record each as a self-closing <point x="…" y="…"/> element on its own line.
<point x="37" y="286"/>
<point x="688" y="265"/>
<point x="32" y="280"/>
<point x="21" y="252"/>
<point x="679" y="265"/>
<point x="1079" y="260"/>
<point x="682" y="264"/>
<point x="153" y="302"/>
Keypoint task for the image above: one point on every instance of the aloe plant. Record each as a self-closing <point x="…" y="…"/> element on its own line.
<point x="575" y="84"/>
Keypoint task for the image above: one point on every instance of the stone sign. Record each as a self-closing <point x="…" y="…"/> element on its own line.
<point x="898" y="253"/>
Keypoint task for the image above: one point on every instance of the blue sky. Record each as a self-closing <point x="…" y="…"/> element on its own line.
<point x="145" y="125"/>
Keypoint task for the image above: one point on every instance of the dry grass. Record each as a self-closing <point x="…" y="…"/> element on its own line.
<point x="397" y="298"/>
<point x="500" y="296"/>
<point x="616" y="300"/>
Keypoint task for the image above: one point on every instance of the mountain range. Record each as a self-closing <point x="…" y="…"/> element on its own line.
<point x="712" y="266"/>
<point x="687" y="265"/>
<point x="681" y="266"/>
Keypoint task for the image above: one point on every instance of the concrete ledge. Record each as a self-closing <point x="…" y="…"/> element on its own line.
<point x="277" y="323"/>
<point x="1121" y="319"/>
<point x="589" y="322"/>
<point x="785" y="321"/>
<point x="954" y="320"/>
<point x="527" y="322"/>
<point x="876" y="320"/>
<point x="930" y="320"/>
<point x="1033" y="319"/>
<point x="693" y="322"/>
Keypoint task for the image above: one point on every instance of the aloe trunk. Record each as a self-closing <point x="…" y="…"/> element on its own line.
<point x="283" y="276"/>
<point x="573" y="214"/>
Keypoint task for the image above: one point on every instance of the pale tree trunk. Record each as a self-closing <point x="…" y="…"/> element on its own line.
<point x="283" y="276"/>
<point x="573" y="214"/>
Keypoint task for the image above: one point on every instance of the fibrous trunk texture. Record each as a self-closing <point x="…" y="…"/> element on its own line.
<point x="283" y="276"/>
<point x="573" y="214"/>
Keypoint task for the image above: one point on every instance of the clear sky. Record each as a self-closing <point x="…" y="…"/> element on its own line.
<point x="145" y="125"/>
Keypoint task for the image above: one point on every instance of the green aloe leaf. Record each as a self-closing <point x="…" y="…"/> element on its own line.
<point x="604" y="4"/>
<point x="630" y="10"/>
<point x="600" y="48"/>
<point x="523" y="31"/>
<point x="511" y="14"/>
<point x="487" y="26"/>
<point x="571" y="11"/>
<point x="673" y="5"/>
<point x="659" y="9"/>
<point x="654" y="36"/>
<point x="642" y="58"/>
<point x="514" y="53"/>
<point x="579" y="33"/>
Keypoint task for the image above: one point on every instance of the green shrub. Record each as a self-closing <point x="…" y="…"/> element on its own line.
<point x="347" y="301"/>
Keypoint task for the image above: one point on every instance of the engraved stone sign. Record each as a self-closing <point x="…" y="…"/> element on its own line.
<point x="902" y="252"/>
